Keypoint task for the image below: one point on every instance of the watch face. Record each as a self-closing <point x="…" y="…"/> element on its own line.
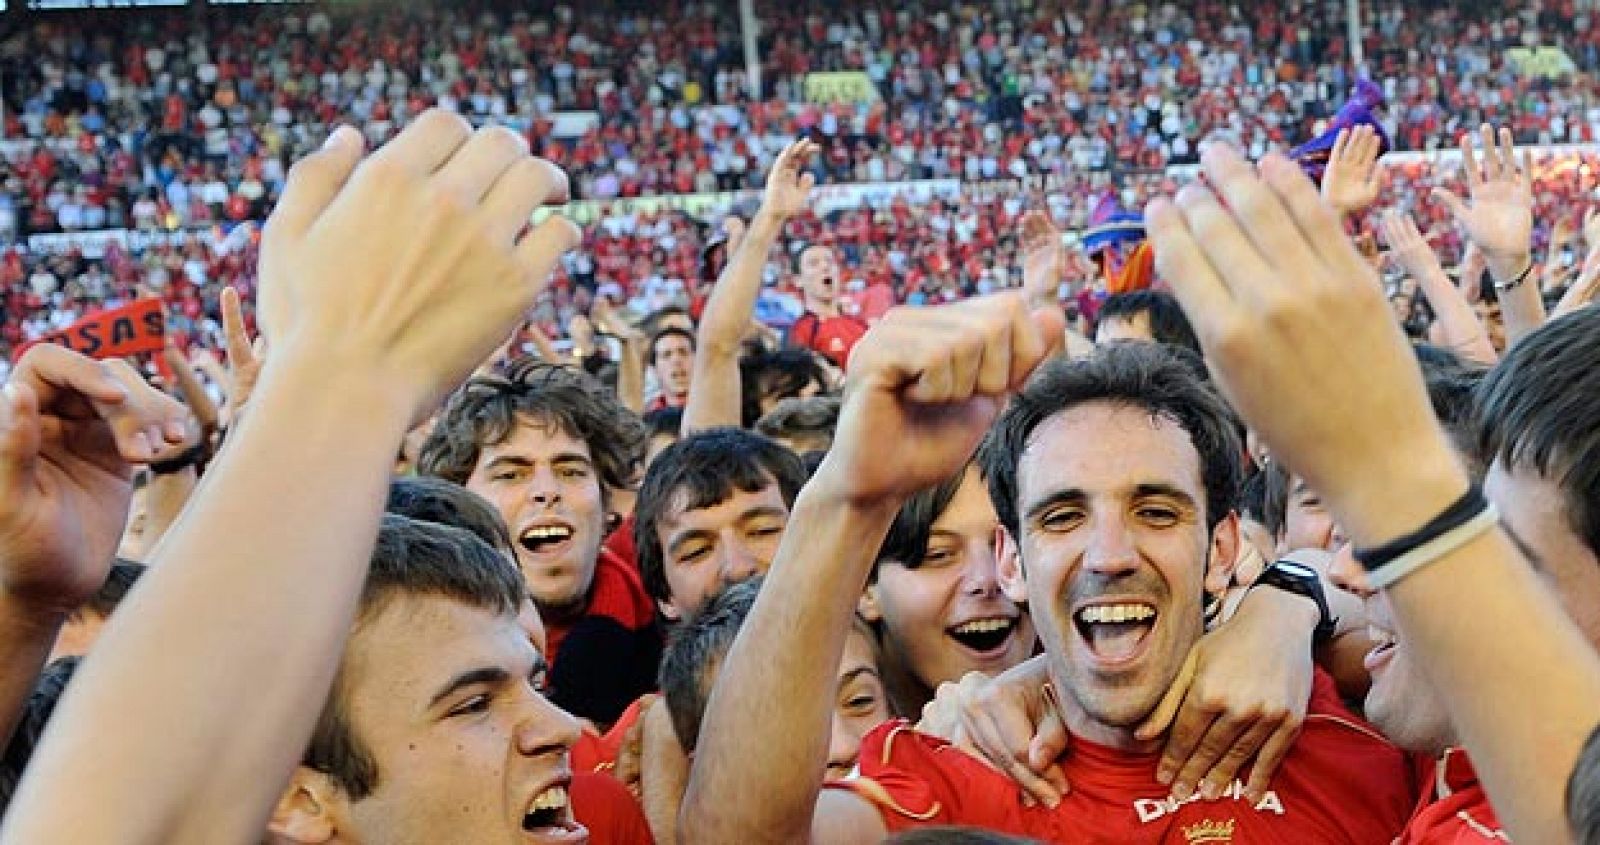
<point x="1297" y="569"/>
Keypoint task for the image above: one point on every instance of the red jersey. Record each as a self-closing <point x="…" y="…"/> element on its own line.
<point x="1342" y="782"/>
<point x="603" y="805"/>
<point x="834" y="337"/>
<point x="598" y="752"/>
<point x="1454" y="809"/>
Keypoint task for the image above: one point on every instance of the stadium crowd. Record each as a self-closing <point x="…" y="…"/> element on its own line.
<point x="1149" y="484"/>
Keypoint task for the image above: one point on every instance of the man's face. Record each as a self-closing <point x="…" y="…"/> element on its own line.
<point x="546" y="487"/>
<point x="446" y="698"/>
<point x="674" y="362"/>
<point x="819" y="274"/>
<point x="947" y="616"/>
<point x="860" y="704"/>
<point x="1306" y="523"/>
<point x="1132" y="327"/>
<point x="1112" y="559"/>
<point x="1534" y="512"/>
<point x="705" y="550"/>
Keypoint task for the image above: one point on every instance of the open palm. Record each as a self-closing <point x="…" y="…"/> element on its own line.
<point x="1499" y="216"/>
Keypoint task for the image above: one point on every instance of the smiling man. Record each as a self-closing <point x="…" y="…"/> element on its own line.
<point x="1114" y="479"/>
<point x="544" y="444"/>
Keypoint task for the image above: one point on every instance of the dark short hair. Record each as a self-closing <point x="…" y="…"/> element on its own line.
<point x="1452" y="384"/>
<point x="907" y="540"/>
<point x="701" y="471"/>
<point x="1155" y="378"/>
<point x="1275" y="483"/>
<point x="808" y="416"/>
<point x="780" y="374"/>
<point x="1583" y="794"/>
<point x="664" y="421"/>
<point x="428" y="499"/>
<point x="31" y="722"/>
<point x="487" y="410"/>
<point x="653" y="321"/>
<point x="411" y="558"/>
<point x="955" y="836"/>
<point x="1167" y="321"/>
<point x="1537" y="410"/>
<point x="666" y="332"/>
<point x="123" y="575"/>
<point x="1251" y="495"/>
<point x="798" y="250"/>
<point x="694" y="655"/>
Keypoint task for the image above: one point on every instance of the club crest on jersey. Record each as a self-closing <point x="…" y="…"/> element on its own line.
<point x="1209" y="830"/>
<point x="1150" y="809"/>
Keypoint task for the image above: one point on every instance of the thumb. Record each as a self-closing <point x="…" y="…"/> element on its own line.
<point x="1161" y="718"/>
<point x="20" y="440"/>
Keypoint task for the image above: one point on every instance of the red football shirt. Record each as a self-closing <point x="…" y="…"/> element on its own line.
<point x="834" y="337"/>
<point x="1342" y="782"/>
<point x="1454" y="809"/>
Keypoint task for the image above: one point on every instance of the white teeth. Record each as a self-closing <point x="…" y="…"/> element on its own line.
<point x="554" y="798"/>
<point x="1111" y="613"/>
<point x="547" y="532"/>
<point x="982" y="626"/>
<point x="1380" y="636"/>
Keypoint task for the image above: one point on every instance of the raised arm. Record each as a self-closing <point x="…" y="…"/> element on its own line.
<point x="630" y="370"/>
<point x="715" y="389"/>
<point x="204" y="689"/>
<point x="70" y="428"/>
<point x="1463" y="332"/>
<point x="924" y="386"/>
<point x="1382" y="464"/>
<point x="1498" y="217"/>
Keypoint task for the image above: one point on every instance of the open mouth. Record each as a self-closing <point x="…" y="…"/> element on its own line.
<point x="545" y="538"/>
<point x="984" y="635"/>
<point x="1383" y="644"/>
<point x="1115" y="633"/>
<point x="550" y="814"/>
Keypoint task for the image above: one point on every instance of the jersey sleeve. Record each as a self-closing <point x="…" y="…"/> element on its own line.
<point x="916" y="780"/>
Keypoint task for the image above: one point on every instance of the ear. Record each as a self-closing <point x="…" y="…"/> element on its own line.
<point x="304" y="814"/>
<point x="1008" y="566"/>
<point x="669" y="610"/>
<point x="1223" y="555"/>
<point x="867" y="606"/>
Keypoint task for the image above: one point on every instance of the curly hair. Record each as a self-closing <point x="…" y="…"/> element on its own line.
<point x="487" y="410"/>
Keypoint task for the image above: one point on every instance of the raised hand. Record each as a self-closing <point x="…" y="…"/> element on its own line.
<point x="70" y="430"/>
<point x="1406" y="245"/>
<point x="430" y="234"/>
<point x="1290" y="313"/>
<point x="1498" y="217"/>
<point x="244" y="355"/>
<point x="923" y="387"/>
<point x="788" y="185"/>
<point x="1591" y="229"/>
<point x="1044" y="258"/>
<point x="1351" y="181"/>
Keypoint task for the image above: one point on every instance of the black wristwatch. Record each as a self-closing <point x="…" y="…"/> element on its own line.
<point x="1301" y="580"/>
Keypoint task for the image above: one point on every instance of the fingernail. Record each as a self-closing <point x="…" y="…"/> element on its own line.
<point x="1164" y="776"/>
<point x="1182" y="791"/>
<point x="1210" y="791"/>
<point x="177" y="431"/>
<point x="141" y="444"/>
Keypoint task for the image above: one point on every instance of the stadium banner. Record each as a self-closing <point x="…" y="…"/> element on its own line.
<point x="137" y="327"/>
<point x="94" y="244"/>
<point x="824" y="200"/>
<point x="847" y="86"/>
<point x="1546" y="62"/>
<point x="572" y="124"/>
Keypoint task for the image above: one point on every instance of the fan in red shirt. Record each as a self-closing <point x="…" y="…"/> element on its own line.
<point x="1114" y="478"/>
<point x="823" y="327"/>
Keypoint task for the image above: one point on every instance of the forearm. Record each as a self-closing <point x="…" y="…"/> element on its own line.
<point x="630" y="377"/>
<point x="26" y="637"/>
<point x="1463" y="333"/>
<point x="233" y="639"/>
<point x="165" y="499"/>
<point x="714" y="395"/>
<point x="775" y="689"/>
<point x="1522" y="307"/>
<point x="1524" y="761"/>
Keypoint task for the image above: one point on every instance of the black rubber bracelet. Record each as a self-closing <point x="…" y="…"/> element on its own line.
<point x="188" y="458"/>
<point x="1517" y="282"/>
<point x="1459" y="513"/>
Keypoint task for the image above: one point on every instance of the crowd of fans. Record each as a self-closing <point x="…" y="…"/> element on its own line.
<point x="1204" y="500"/>
<point x="185" y="122"/>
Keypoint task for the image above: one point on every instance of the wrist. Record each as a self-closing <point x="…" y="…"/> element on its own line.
<point x="1394" y="504"/>
<point x="1505" y="268"/>
<point x="24" y="620"/>
<point x="1283" y="610"/>
<point x="767" y="221"/>
<point x="337" y="390"/>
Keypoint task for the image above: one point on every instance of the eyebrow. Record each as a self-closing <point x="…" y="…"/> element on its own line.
<point x="484" y="675"/>
<point x="685" y="535"/>
<point x="521" y="461"/>
<point x="1074" y="496"/>
<point x="856" y="673"/>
